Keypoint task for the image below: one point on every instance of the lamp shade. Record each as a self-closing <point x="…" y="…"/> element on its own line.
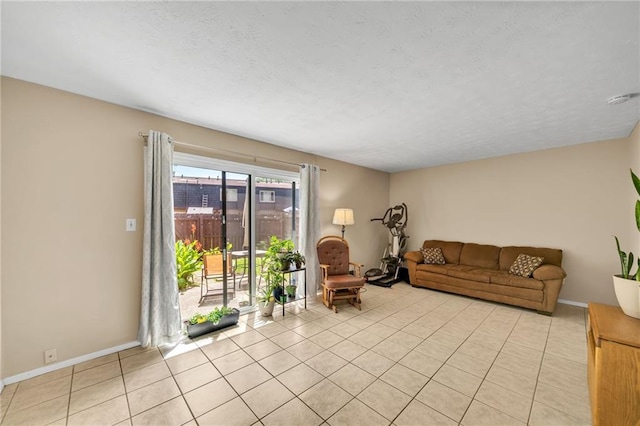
<point x="343" y="217"/>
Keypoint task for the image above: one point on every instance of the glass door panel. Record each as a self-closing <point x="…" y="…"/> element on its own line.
<point x="209" y="211"/>
<point x="276" y="214"/>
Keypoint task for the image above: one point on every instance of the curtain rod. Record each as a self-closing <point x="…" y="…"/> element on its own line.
<point x="206" y="148"/>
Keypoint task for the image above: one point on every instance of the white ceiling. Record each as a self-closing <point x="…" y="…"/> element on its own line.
<point x="387" y="85"/>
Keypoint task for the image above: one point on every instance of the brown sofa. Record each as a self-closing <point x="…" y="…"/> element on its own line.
<point x="482" y="271"/>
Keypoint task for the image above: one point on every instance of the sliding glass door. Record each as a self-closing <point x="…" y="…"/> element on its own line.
<point x="225" y="215"/>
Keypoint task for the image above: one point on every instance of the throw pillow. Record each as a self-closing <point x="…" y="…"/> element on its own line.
<point x="524" y="265"/>
<point x="433" y="256"/>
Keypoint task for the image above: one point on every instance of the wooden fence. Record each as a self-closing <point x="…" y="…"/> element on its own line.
<point x="207" y="228"/>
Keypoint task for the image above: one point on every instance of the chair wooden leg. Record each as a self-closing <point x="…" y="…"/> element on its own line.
<point x="325" y="297"/>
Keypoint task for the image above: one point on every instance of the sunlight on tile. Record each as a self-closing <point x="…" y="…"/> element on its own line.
<point x="420" y="357"/>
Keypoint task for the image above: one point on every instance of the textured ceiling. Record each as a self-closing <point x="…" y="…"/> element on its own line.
<point x="387" y="85"/>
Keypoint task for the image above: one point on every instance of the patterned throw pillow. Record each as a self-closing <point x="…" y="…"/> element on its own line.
<point x="433" y="256"/>
<point x="524" y="265"/>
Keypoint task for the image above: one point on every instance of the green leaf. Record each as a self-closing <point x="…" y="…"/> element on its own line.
<point x="638" y="214"/>
<point x="623" y="259"/>
<point x="636" y="181"/>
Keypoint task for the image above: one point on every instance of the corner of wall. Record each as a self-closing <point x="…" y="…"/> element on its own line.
<point x="1" y="309"/>
<point x="634" y="141"/>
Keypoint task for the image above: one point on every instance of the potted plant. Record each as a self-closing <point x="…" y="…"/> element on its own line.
<point x="298" y="259"/>
<point x="266" y="301"/>
<point x="627" y="284"/>
<point x="286" y="260"/>
<point x="291" y="291"/>
<point x="278" y="293"/>
<point x="272" y="265"/>
<point x="277" y="256"/>
<point x="219" y="318"/>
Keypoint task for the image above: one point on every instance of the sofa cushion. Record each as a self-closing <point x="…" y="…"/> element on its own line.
<point x="450" y="249"/>
<point x="524" y="265"/>
<point x="503" y="293"/>
<point x="509" y="254"/>
<point x="343" y="281"/>
<point x="437" y="269"/>
<point x="470" y="273"/>
<point x="433" y="255"/>
<point x="505" y="278"/>
<point x="482" y="256"/>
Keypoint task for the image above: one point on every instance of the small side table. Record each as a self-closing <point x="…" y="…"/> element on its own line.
<point x="284" y="279"/>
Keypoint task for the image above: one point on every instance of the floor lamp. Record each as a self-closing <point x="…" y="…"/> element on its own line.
<point x="343" y="217"/>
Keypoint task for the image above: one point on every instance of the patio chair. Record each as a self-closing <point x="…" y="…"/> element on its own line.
<point x="211" y="282"/>
<point x="341" y="279"/>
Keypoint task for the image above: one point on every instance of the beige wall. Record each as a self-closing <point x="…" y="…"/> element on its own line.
<point x="363" y="191"/>
<point x="572" y="198"/>
<point x="71" y="174"/>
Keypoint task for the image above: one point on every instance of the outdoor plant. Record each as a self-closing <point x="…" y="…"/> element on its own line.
<point x="187" y="262"/>
<point x="626" y="260"/>
<point x="188" y="259"/>
<point x="213" y="316"/>
<point x="216" y="249"/>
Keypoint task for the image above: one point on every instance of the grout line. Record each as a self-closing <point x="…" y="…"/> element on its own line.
<point x="535" y="389"/>
<point x="445" y="307"/>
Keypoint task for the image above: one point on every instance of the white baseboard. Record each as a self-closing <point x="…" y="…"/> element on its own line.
<point x="1" y="385"/>
<point x="69" y="362"/>
<point x="571" y="302"/>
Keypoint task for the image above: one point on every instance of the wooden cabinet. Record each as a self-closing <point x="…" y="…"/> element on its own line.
<point x="613" y="341"/>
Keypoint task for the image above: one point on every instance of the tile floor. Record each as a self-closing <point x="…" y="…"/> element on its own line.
<point x="410" y="357"/>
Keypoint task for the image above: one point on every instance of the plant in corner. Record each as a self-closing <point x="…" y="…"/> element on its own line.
<point x="627" y="284"/>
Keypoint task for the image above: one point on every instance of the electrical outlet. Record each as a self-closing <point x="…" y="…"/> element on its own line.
<point x="130" y="225"/>
<point x="50" y="356"/>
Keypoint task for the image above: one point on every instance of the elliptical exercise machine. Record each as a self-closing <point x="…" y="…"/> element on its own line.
<point x="395" y="220"/>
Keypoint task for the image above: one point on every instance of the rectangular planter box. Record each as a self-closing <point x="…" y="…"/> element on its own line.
<point x="195" y="330"/>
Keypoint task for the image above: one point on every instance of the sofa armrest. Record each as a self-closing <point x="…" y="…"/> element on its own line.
<point x="553" y="277"/>
<point x="549" y="272"/>
<point x="413" y="258"/>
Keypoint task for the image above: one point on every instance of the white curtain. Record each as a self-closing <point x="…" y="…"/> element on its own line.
<point x="310" y="224"/>
<point x="160" y="311"/>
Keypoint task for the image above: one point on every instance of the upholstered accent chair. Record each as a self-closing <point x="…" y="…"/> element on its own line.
<point x="341" y="278"/>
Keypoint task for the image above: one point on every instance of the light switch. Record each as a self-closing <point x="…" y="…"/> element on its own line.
<point x="131" y="225"/>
